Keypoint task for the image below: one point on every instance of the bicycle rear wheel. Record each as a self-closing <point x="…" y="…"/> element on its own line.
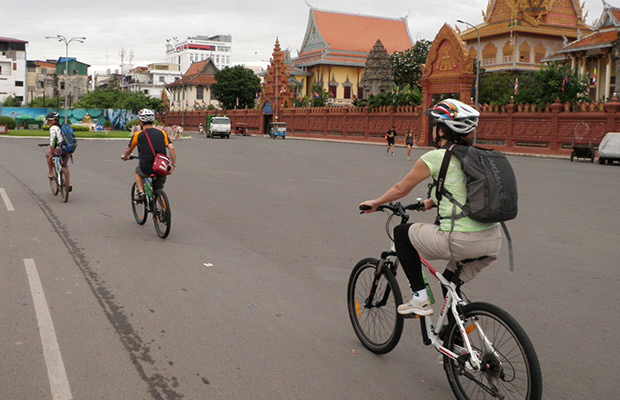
<point x="376" y="323"/>
<point x="54" y="184"/>
<point x="138" y="207"/>
<point x="161" y="214"/>
<point x="510" y="365"/>
<point x="64" y="189"/>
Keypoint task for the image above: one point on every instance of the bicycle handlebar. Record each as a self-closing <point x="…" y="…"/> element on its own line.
<point x="397" y="208"/>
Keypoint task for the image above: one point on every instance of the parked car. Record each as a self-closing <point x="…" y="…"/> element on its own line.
<point x="609" y="149"/>
<point x="219" y="126"/>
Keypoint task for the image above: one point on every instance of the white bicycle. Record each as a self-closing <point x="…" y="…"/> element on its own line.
<point x="486" y="353"/>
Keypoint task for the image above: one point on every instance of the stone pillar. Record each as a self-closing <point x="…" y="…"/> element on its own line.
<point x="608" y="61"/>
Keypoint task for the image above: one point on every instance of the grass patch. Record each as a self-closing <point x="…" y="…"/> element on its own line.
<point x="78" y="134"/>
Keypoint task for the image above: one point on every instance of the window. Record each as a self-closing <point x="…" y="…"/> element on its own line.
<point x="360" y="92"/>
<point x="332" y="90"/>
<point x="199" y="93"/>
<point x="347" y="92"/>
<point x="62" y="86"/>
<point x="507" y="52"/>
<point x="19" y="83"/>
<point x="524" y="53"/>
<point x="162" y="79"/>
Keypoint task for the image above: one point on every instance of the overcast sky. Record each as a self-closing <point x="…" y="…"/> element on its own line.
<point x="143" y="27"/>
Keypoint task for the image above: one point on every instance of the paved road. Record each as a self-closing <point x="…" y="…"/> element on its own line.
<point x="247" y="296"/>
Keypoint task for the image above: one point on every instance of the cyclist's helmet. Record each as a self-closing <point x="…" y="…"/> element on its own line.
<point x="53" y="115"/>
<point x="146" y="115"/>
<point x="456" y="115"/>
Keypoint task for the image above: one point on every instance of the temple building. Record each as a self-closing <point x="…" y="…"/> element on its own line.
<point x="597" y="55"/>
<point x="517" y="35"/>
<point x="335" y="48"/>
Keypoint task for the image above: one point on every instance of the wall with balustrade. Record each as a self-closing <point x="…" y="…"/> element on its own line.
<point x="523" y="128"/>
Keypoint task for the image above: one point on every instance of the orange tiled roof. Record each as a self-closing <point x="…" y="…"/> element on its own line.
<point x="359" y="33"/>
<point x="196" y="67"/>
<point x="596" y="39"/>
<point x="194" y="80"/>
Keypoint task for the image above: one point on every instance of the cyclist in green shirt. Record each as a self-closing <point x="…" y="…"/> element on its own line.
<point x="469" y="239"/>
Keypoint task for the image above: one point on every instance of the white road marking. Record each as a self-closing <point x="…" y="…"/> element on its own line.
<point x="51" y="351"/>
<point x="7" y="201"/>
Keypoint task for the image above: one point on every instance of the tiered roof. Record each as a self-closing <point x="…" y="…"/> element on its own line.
<point x="346" y="39"/>
<point x="555" y="18"/>
<point x="606" y="32"/>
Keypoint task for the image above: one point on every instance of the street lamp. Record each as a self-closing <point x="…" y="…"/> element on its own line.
<point x="477" y="68"/>
<point x="61" y="38"/>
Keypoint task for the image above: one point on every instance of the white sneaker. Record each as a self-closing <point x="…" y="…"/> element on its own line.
<point x="413" y="307"/>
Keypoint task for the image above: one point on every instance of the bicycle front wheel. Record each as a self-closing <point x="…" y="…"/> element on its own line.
<point x="54" y="184"/>
<point x="161" y="214"/>
<point x="64" y="189"/>
<point x="376" y="321"/>
<point x="138" y="206"/>
<point x="510" y="368"/>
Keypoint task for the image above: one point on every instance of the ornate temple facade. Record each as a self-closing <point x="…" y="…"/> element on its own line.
<point x="335" y="48"/>
<point x="518" y="34"/>
<point x="597" y="55"/>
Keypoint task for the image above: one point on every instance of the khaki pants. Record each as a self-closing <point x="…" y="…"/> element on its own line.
<point x="435" y="244"/>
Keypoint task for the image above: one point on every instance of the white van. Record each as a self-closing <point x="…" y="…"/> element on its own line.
<point x="219" y="126"/>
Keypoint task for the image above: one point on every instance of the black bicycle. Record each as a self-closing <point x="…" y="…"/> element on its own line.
<point x="486" y="353"/>
<point x="155" y="201"/>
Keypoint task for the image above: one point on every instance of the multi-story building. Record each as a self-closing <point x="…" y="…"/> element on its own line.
<point x="75" y="81"/>
<point x="42" y="80"/>
<point x="152" y="79"/>
<point x="199" y="48"/>
<point x="12" y="68"/>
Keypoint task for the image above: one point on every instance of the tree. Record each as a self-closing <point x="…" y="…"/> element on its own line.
<point x="12" y="101"/>
<point x="406" y="64"/>
<point x="319" y="95"/>
<point x="45" y="102"/>
<point x="236" y="87"/>
<point x="397" y="97"/>
<point x="551" y="82"/>
<point x="115" y="98"/>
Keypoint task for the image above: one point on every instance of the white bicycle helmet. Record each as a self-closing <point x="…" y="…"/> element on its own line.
<point x="456" y="115"/>
<point x="146" y="115"/>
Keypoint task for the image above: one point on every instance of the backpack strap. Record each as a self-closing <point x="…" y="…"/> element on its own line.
<point x="441" y="178"/>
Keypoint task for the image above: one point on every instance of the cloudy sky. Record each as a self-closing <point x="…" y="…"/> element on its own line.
<point x="143" y="27"/>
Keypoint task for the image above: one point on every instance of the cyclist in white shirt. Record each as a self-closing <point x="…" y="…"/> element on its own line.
<point x="54" y="150"/>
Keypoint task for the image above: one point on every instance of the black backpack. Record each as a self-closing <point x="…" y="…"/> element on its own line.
<point x="491" y="187"/>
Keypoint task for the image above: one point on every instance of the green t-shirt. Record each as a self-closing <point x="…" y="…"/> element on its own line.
<point x="455" y="184"/>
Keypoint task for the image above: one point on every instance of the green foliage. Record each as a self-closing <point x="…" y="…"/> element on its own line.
<point x="77" y="128"/>
<point x="119" y="99"/>
<point x="540" y="88"/>
<point x="48" y="102"/>
<point x="498" y="87"/>
<point x="107" y="124"/>
<point x="546" y="84"/>
<point x="12" y="101"/>
<point x="236" y="87"/>
<point x="136" y="121"/>
<point x="8" y="121"/>
<point x="319" y="96"/>
<point x="406" y="64"/>
<point x="406" y="96"/>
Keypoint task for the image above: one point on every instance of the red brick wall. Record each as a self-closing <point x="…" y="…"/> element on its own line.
<point x="509" y="128"/>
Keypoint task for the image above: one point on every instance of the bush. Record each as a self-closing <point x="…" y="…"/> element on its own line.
<point x="80" y="128"/>
<point x="135" y="122"/>
<point x="8" y="121"/>
<point x="107" y="124"/>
